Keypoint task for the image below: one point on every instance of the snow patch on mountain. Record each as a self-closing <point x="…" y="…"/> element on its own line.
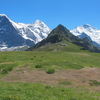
<point x="39" y="28"/>
<point x="18" y="34"/>
<point x="89" y="31"/>
<point x="36" y="31"/>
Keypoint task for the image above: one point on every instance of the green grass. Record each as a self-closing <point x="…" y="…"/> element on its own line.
<point x="6" y="68"/>
<point x="46" y="60"/>
<point x="65" y="83"/>
<point x="38" y="66"/>
<point x="35" y="91"/>
<point x="50" y="71"/>
<point x="94" y="83"/>
<point x="55" y="60"/>
<point x="57" y="47"/>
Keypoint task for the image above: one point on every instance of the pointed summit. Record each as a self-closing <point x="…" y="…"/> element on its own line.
<point x="38" y="21"/>
<point x="4" y="20"/>
<point x="3" y="16"/>
<point x="63" y="33"/>
<point x="61" y="29"/>
<point x="86" y="25"/>
<point x="60" y="26"/>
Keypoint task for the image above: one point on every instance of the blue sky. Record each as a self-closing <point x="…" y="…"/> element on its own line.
<point x="70" y="13"/>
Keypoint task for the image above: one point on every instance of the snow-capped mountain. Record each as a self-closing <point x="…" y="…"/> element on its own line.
<point x="19" y="34"/>
<point x="88" y="31"/>
<point x="40" y="30"/>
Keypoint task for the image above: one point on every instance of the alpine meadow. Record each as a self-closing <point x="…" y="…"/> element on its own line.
<point x="23" y="75"/>
<point x="60" y="67"/>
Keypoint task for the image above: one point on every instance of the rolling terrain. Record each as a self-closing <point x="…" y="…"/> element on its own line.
<point x="23" y="75"/>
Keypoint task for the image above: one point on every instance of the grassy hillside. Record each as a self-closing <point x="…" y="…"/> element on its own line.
<point x="48" y="59"/>
<point x="58" y="47"/>
<point x="43" y="61"/>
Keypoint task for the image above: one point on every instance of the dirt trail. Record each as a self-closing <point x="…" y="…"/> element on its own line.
<point x="76" y="77"/>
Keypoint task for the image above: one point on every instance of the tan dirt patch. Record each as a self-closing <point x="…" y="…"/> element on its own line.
<point x="76" y="77"/>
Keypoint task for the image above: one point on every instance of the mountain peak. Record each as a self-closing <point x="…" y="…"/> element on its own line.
<point x="86" y="25"/>
<point x="59" y="30"/>
<point x="38" y="22"/>
<point x="3" y="15"/>
<point x="60" y="25"/>
<point x="90" y="31"/>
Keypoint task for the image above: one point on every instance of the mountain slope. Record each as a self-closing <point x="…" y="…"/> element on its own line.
<point x="19" y="34"/>
<point x="88" y="31"/>
<point x="60" y="38"/>
<point x="8" y="34"/>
